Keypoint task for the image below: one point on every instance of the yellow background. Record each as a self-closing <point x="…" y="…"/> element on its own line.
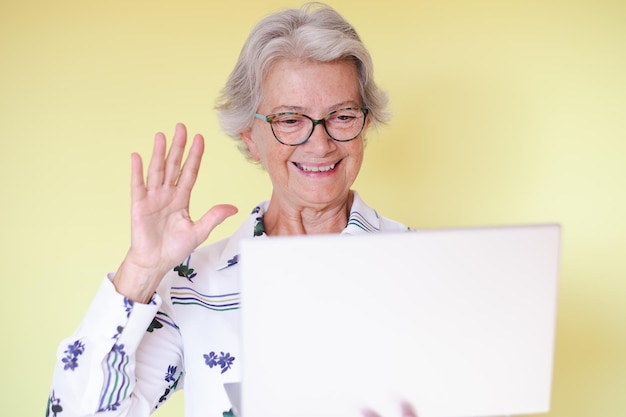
<point x="504" y="112"/>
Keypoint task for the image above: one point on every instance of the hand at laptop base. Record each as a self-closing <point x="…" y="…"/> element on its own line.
<point x="407" y="411"/>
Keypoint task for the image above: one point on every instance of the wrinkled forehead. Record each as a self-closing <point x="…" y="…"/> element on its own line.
<point x="306" y="85"/>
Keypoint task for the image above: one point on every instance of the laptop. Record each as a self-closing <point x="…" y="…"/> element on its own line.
<point x="457" y="322"/>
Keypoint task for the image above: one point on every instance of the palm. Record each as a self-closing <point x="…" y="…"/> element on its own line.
<point x="162" y="231"/>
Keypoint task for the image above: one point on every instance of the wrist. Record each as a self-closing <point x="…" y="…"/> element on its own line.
<point x="137" y="283"/>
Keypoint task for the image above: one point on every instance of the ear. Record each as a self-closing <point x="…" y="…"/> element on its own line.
<point x="246" y="137"/>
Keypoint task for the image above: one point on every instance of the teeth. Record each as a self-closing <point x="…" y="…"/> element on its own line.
<point x="317" y="169"/>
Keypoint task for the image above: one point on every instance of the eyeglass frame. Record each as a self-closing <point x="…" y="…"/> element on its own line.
<point x="269" y="118"/>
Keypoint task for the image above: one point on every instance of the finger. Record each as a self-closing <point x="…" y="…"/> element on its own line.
<point x="137" y="184"/>
<point x="156" y="169"/>
<point x="212" y="218"/>
<point x="369" y="413"/>
<point x="408" y="410"/>
<point x="175" y="155"/>
<point x="190" y="170"/>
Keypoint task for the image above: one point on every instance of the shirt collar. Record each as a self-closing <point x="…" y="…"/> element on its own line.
<point x="362" y="219"/>
<point x="251" y="227"/>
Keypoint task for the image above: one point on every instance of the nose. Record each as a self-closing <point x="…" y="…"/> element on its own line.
<point x="319" y="142"/>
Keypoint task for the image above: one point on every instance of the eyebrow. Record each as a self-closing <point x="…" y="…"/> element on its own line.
<point x="298" y="109"/>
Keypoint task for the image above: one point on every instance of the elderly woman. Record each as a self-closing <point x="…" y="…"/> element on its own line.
<point x="298" y="102"/>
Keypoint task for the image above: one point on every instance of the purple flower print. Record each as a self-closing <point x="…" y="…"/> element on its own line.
<point x="171" y="371"/>
<point x="224" y="360"/>
<point x="72" y="352"/>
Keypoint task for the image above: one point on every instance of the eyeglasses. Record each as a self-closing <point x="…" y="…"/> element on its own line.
<point x="294" y="129"/>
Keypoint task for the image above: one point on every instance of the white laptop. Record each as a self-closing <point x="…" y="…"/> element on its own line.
<point x="458" y="322"/>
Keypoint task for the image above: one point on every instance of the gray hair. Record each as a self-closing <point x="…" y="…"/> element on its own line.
<point x="313" y="32"/>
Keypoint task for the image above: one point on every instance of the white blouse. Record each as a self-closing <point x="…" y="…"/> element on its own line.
<point x="126" y="358"/>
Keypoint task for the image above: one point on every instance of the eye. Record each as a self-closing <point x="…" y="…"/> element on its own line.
<point x="344" y="116"/>
<point x="289" y="121"/>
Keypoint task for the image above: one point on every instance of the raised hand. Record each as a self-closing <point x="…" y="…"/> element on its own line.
<point x="162" y="232"/>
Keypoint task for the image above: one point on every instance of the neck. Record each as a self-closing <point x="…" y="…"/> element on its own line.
<point x="284" y="218"/>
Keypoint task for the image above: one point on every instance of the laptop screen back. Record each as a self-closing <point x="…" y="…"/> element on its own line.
<point x="459" y="322"/>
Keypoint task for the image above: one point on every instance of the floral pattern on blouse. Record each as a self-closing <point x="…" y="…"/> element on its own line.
<point x="54" y="406"/>
<point x="170" y="376"/>
<point x="223" y="360"/>
<point x="73" y="351"/>
<point x="185" y="271"/>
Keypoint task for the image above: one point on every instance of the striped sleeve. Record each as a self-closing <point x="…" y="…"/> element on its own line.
<point x="96" y="369"/>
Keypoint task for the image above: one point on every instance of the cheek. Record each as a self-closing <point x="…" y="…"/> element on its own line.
<point x="356" y="161"/>
<point x="357" y="154"/>
<point x="270" y="153"/>
<point x="277" y="155"/>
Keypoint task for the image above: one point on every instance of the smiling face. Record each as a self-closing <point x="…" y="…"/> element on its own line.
<point x="321" y="171"/>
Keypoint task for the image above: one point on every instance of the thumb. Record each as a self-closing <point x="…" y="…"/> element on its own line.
<point x="212" y="218"/>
